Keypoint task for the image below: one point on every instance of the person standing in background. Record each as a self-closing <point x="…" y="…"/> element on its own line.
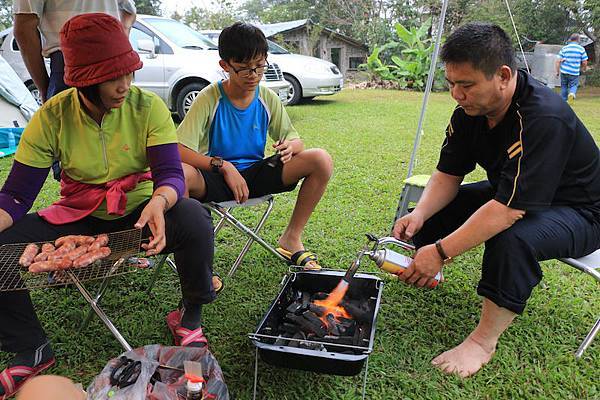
<point x="36" y="29"/>
<point x="37" y="24"/>
<point x="571" y="60"/>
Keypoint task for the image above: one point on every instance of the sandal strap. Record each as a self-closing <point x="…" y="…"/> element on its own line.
<point x="7" y="377"/>
<point x="303" y="257"/>
<point x="191" y="336"/>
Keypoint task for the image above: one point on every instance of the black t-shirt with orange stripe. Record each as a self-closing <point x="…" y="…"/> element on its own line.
<point x="539" y="155"/>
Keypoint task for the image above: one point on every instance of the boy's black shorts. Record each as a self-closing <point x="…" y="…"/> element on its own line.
<point x="261" y="179"/>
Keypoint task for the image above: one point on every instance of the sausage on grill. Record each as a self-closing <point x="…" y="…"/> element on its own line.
<point x="77" y="239"/>
<point x="101" y="241"/>
<point x="47" y="250"/>
<point x="65" y="247"/>
<point x="29" y="254"/>
<point x="91" y="257"/>
<point x="78" y="252"/>
<point x="48" y="266"/>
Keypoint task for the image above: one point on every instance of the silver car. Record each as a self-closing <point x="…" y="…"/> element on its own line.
<point x="9" y="50"/>
<point x="308" y="76"/>
<point x="178" y="62"/>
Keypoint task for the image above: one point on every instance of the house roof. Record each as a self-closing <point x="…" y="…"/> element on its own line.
<point x="283" y="27"/>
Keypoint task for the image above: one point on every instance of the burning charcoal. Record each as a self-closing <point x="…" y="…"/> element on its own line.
<point x="358" y="336"/>
<point x="339" y="340"/>
<point x="361" y="313"/>
<point x="306" y="299"/>
<point x="315" y="323"/>
<point x="319" y="296"/>
<point x="345" y="326"/>
<point x="318" y="310"/>
<point x="312" y="346"/>
<point x="296" y="343"/>
<point x="294" y="308"/>
<point x="309" y="325"/>
<point x="288" y="328"/>
<point x="282" y="340"/>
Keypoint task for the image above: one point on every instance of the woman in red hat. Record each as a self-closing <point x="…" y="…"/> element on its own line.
<point x="121" y="168"/>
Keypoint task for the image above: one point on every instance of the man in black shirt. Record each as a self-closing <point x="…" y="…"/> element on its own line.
<point x="541" y="199"/>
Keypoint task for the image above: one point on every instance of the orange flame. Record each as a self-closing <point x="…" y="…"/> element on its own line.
<point x="331" y="303"/>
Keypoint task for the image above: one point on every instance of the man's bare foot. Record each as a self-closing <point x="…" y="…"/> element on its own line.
<point x="465" y="359"/>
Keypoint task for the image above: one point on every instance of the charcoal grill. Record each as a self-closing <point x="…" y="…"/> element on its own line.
<point x="122" y="244"/>
<point x="338" y="359"/>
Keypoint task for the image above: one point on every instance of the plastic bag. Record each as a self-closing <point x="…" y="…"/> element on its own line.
<point x="171" y="385"/>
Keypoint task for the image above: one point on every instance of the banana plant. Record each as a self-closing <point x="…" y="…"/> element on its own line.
<point x="410" y="57"/>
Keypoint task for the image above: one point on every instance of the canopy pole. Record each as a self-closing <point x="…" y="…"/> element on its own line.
<point x="428" y="88"/>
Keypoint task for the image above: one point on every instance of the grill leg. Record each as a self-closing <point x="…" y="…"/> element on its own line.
<point x="364" y="386"/>
<point x="99" y="295"/>
<point x="86" y="295"/>
<point x="255" y="373"/>
<point x="157" y="268"/>
<point x="588" y="339"/>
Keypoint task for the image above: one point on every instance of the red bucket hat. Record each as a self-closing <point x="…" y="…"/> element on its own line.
<point x="96" y="50"/>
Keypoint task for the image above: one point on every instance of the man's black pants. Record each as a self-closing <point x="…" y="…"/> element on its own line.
<point x="189" y="234"/>
<point x="510" y="267"/>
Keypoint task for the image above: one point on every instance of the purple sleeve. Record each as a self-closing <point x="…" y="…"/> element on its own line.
<point x="165" y="165"/>
<point x="21" y="188"/>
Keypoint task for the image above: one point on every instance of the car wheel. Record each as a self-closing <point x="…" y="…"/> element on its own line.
<point x="186" y="97"/>
<point x="35" y="93"/>
<point x="295" y="93"/>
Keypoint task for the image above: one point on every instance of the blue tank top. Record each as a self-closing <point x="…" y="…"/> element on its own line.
<point x="239" y="136"/>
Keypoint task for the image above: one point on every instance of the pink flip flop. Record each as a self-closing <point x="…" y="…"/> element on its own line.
<point x="183" y="336"/>
<point x="7" y="377"/>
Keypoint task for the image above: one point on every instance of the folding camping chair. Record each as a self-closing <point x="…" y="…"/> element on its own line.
<point x="411" y="193"/>
<point x="589" y="264"/>
<point x="223" y="210"/>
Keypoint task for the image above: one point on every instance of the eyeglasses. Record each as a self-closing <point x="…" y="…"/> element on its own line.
<point x="246" y="72"/>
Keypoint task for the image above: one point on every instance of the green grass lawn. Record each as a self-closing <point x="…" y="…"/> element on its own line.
<point x="370" y="136"/>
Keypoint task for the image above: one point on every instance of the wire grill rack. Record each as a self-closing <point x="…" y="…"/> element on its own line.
<point x="14" y="277"/>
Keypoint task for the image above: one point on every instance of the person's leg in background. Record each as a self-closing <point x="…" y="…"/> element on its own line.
<point x="564" y="86"/>
<point x="510" y="272"/>
<point x="573" y="85"/>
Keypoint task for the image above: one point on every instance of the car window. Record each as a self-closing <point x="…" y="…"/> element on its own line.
<point x="14" y="45"/>
<point x="135" y="35"/>
<point x="274" y="48"/>
<point x="180" y="34"/>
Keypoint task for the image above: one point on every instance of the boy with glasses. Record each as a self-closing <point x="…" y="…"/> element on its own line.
<point x="224" y="135"/>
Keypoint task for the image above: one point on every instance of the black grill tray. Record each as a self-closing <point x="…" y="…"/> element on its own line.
<point x="364" y="287"/>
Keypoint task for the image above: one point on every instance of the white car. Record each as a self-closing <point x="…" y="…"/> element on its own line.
<point x="9" y="50"/>
<point x="308" y="76"/>
<point x="178" y="62"/>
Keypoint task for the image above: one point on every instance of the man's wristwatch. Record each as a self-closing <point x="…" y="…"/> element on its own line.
<point x="216" y="163"/>
<point x="438" y="246"/>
